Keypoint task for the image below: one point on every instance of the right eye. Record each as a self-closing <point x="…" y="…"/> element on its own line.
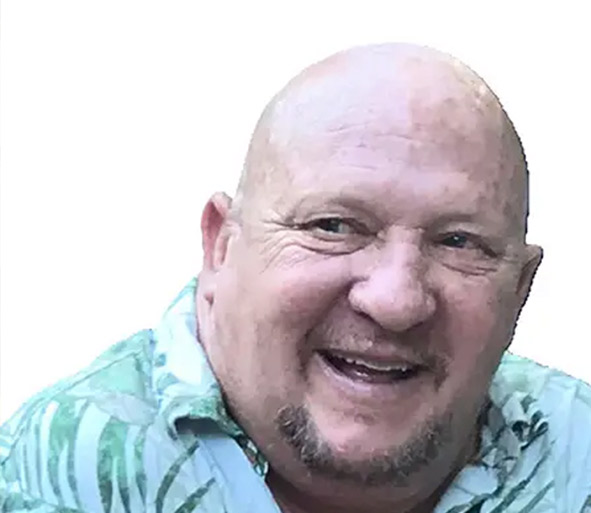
<point x="332" y="225"/>
<point x="334" y="234"/>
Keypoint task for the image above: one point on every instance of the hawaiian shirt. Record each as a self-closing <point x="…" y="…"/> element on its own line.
<point x="145" y="429"/>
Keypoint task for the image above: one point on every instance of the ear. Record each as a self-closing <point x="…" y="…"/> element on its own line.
<point x="532" y="261"/>
<point x="215" y="236"/>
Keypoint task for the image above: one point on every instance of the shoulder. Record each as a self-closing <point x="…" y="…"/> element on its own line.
<point x="82" y="417"/>
<point x="122" y="370"/>
<point x="555" y="392"/>
<point x="564" y="403"/>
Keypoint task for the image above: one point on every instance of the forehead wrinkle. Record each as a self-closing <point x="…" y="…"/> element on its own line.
<point x="391" y="200"/>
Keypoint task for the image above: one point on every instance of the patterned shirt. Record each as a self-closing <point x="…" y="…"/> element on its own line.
<point x="144" y="428"/>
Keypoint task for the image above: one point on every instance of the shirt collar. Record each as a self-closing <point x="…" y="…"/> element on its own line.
<point x="182" y="379"/>
<point x="185" y="387"/>
<point x="512" y="421"/>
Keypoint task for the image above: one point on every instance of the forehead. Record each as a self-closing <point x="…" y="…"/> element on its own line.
<point x="447" y="149"/>
<point x="417" y="188"/>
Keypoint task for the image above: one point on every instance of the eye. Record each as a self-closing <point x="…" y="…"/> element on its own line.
<point x="455" y="240"/>
<point x="334" y="225"/>
<point x="467" y="242"/>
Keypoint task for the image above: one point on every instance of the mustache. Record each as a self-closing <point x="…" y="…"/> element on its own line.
<point x="356" y="339"/>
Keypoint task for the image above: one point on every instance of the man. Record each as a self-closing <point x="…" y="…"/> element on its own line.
<point x="344" y="347"/>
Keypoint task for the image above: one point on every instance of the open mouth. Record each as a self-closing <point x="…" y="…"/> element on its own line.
<point x="370" y="371"/>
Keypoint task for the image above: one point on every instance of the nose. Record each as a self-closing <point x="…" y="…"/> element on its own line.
<point x="393" y="291"/>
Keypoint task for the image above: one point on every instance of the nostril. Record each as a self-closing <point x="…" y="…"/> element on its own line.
<point x="365" y="316"/>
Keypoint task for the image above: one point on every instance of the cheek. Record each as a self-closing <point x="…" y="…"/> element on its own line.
<point x="478" y="322"/>
<point x="263" y="315"/>
<point x="299" y="294"/>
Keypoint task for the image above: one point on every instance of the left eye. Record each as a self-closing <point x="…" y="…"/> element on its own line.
<point x="467" y="242"/>
<point x="456" y="240"/>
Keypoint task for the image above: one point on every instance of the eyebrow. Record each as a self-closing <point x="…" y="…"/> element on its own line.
<point x="458" y="216"/>
<point x="369" y="207"/>
<point x="328" y="200"/>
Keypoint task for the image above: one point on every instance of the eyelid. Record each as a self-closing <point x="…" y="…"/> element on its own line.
<point x="357" y="226"/>
<point x="477" y="239"/>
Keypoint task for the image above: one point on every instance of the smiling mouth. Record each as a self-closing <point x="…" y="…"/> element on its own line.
<point x="372" y="372"/>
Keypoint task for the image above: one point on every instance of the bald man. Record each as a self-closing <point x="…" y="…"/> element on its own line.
<point x="344" y="348"/>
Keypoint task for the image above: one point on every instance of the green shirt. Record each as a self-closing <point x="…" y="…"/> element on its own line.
<point x="144" y="428"/>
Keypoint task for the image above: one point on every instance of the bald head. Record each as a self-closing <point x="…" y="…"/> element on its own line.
<point x="411" y="92"/>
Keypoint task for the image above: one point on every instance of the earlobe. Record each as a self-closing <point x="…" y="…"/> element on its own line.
<point x="215" y="237"/>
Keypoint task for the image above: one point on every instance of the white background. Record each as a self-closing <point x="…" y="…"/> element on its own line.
<point x="120" y="118"/>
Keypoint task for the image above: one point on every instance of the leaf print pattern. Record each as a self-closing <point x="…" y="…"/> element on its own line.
<point x="123" y="436"/>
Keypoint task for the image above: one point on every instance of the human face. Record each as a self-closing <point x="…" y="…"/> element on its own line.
<point x="361" y="308"/>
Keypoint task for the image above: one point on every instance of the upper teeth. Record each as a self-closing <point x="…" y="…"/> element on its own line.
<point x="378" y="366"/>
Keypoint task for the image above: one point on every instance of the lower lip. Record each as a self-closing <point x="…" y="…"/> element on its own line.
<point x="358" y="390"/>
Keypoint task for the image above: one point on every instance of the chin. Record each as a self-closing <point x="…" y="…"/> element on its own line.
<point x="357" y="451"/>
<point x="356" y="439"/>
